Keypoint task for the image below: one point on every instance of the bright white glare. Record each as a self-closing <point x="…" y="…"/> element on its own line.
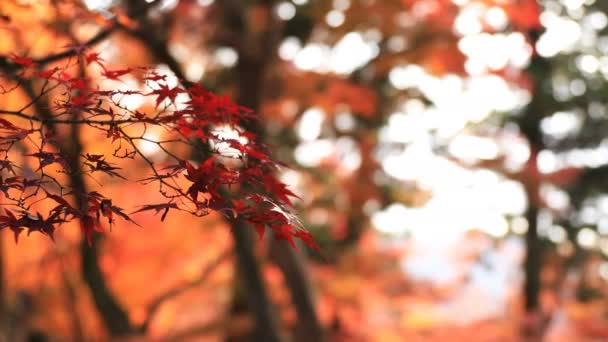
<point x="589" y="215"/>
<point x="473" y="98"/>
<point x="226" y="57"/>
<point x="291" y="177"/>
<point x="557" y="234"/>
<point x="167" y="5"/>
<point x="519" y="225"/>
<point x="289" y="48"/>
<point x="404" y="77"/>
<point x="602" y="204"/>
<point x="475" y="204"/>
<point x="573" y="4"/>
<point x="555" y="198"/>
<point x="351" y="53"/>
<point x="411" y="163"/>
<point x="98" y="5"/>
<point x="597" y="20"/>
<point x="403" y="128"/>
<point x="547" y="162"/>
<point x="312" y="153"/>
<point x="467" y="198"/>
<point x="494" y="51"/>
<point x="587" y="157"/>
<point x="587" y="238"/>
<point x="149" y="146"/>
<point x="588" y="64"/>
<point x="311" y="57"/>
<point x="300" y="2"/>
<point x="310" y="124"/>
<point x="602" y="226"/>
<point x="472" y="148"/>
<point x="393" y="220"/>
<point x="334" y="18"/>
<point x="205" y="2"/>
<point x="496" y="18"/>
<point x="285" y="10"/>
<point x="224" y="148"/>
<point x="468" y="21"/>
<point x="560" y="35"/>
<point x="515" y="149"/>
<point x="195" y="71"/>
<point x="561" y="124"/>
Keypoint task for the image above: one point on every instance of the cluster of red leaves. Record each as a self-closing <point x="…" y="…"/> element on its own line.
<point x="241" y="184"/>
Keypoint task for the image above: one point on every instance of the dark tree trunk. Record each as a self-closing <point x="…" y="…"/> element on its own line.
<point x="292" y="265"/>
<point x="250" y="293"/>
<point x="259" y="303"/>
<point x="113" y="316"/>
<point x="529" y="124"/>
<point x="532" y="264"/>
<point x="256" y="54"/>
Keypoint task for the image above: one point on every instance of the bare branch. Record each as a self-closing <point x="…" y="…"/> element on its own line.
<point x="176" y="291"/>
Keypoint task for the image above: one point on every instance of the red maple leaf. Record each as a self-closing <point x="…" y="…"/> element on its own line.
<point x="115" y="74"/>
<point x="23" y="61"/>
<point x="278" y="189"/>
<point x="164" y="92"/>
<point x="93" y="57"/>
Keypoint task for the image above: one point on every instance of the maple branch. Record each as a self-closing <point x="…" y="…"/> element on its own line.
<point x="99" y="37"/>
<point x="45" y="120"/>
<point x="176" y="291"/>
<point x="112" y="314"/>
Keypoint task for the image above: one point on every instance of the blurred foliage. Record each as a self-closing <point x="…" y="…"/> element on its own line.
<point x="345" y="72"/>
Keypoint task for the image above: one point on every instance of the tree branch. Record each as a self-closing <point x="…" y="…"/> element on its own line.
<point x="176" y="291"/>
<point x="45" y="120"/>
<point x="99" y="37"/>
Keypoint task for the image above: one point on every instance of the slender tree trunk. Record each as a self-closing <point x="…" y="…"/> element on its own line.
<point x="250" y="70"/>
<point x="529" y="123"/>
<point x="532" y="264"/>
<point x="256" y="54"/>
<point x="112" y="314"/>
<point x="292" y="265"/>
<point x="259" y="303"/>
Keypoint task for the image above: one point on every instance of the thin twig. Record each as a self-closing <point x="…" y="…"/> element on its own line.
<point x="176" y="291"/>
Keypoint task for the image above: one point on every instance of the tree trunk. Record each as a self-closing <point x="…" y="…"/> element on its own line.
<point x="291" y="263"/>
<point x="259" y="303"/>
<point x="532" y="264"/>
<point x="113" y="316"/>
<point x="256" y="53"/>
